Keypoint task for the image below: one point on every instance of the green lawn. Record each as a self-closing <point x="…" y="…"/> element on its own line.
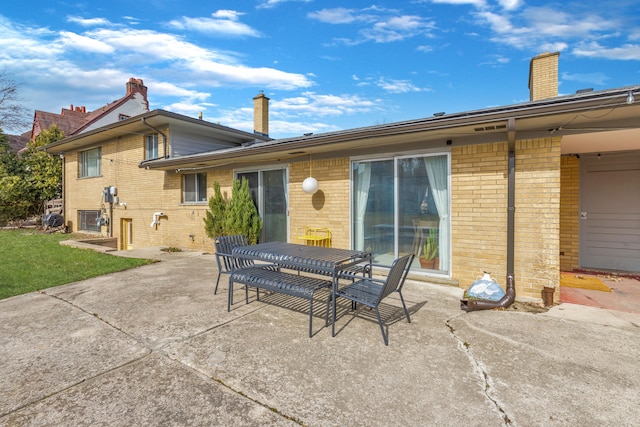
<point x="31" y="260"/>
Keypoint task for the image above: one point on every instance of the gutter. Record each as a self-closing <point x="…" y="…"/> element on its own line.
<point x="550" y="107"/>
<point x="164" y="137"/>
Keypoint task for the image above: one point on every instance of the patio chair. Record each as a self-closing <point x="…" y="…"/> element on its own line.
<point x="226" y="262"/>
<point x="371" y="292"/>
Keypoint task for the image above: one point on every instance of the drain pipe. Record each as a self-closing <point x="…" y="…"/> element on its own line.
<point x="510" y="294"/>
<point x="164" y="137"/>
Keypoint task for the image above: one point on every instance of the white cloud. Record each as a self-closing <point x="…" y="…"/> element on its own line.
<point x="476" y="3"/>
<point x="591" y="78"/>
<point x="382" y="25"/>
<point x="314" y="104"/>
<point x="268" y="4"/>
<point x="548" y="29"/>
<point x="595" y="50"/>
<point x="399" y="86"/>
<point x="222" y="22"/>
<point x="510" y="4"/>
<point x="76" y="41"/>
<point x="88" y="22"/>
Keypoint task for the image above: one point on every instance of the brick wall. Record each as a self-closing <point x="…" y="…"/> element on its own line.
<point x="144" y="192"/>
<point x="479" y="205"/>
<point x="537" y="224"/>
<point x="479" y="214"/>
<point x="569" y="212"/>
<point x="329" y="206"/>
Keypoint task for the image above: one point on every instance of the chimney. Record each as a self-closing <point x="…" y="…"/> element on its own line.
<point x="136" y="86"/>
<point x="543" y="76"/>
<point x="261" y="115"/>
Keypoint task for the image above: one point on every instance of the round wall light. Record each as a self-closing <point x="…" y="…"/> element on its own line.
<point x="310" y="185"/>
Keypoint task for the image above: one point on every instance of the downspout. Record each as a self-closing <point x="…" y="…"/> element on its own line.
<point x="510" y="293"/>
<point x="62" y="191"/>
<point x="164" y="137"/>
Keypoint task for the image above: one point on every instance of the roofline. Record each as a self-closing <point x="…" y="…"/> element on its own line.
<point x="150" y="114"/>
<point x="562" y="104"/>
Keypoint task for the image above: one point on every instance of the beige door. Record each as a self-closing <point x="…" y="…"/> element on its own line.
<point x="610" y="211"/>
<point x="126" y="234"/>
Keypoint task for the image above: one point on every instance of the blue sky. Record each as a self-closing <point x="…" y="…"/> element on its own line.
<point x="325" y="65"/>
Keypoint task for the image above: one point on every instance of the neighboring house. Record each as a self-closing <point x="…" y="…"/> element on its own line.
<point x="528" y="189"/>
<point x="18" y="142"/>
<point x="76" y="120"/>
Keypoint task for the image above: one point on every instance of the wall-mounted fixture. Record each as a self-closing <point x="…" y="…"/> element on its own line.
<point x="449" y="142"/>
<point x="156" y="219"/>
<point x="630" y="98"/>
<point x="310" y="185"/>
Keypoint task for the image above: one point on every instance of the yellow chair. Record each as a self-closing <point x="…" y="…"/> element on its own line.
<point x="312" y="236"/>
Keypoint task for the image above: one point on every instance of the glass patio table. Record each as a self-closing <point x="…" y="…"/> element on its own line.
<point x="334" y="262"/>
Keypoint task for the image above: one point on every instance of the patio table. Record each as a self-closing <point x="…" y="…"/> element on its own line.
<point x="312" y="259"/>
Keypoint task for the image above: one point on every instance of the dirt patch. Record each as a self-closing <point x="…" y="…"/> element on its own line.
<point x="526" y="307"/>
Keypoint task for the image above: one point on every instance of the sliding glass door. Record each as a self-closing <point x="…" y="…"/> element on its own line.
<point x="269" y="193"/>
<point x="400" y="205"/>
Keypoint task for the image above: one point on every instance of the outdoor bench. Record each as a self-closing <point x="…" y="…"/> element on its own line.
<point x="279" y="281"/>
<point x="353" y="272"/>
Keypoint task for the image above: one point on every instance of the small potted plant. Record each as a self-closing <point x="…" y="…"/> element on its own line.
<point x="429" y="259"/>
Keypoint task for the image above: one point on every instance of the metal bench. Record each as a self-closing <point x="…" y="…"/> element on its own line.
<point x="282" y="282"/>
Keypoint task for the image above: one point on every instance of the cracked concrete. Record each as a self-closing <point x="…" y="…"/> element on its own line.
<point x="154" y="346"/>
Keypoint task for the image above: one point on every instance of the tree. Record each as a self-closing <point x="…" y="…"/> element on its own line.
<point x="44" y="170"/>
<point x="27" y="181"/>
<point x="12" y="114"/>
<point x="242" y="216"/>
<point x="13" y="204"/>
<point x="215" y="216"/>
<point x="235" y="216"/>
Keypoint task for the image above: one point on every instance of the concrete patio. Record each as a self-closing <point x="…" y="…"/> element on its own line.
<point x="154" y="346"/>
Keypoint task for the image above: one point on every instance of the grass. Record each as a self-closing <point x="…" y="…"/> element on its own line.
<point x="31" y="261"/>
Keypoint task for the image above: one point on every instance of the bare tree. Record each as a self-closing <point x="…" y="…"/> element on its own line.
<point x="13" y="115"/>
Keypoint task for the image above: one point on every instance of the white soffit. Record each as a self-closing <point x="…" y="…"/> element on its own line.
<point x="600" y="142"/>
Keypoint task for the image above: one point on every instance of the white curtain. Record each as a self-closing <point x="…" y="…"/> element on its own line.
<point x="438" y="174"/>
<point x="362" y="178"/>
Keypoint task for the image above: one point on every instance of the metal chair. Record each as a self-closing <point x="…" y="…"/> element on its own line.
<point x="371" y="292"/>
<point x="226" y="262"/>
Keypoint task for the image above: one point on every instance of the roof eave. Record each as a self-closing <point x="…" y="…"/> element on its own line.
<point x="548" y="107"/>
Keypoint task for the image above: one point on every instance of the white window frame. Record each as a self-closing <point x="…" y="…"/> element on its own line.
<point x="395" y="157"/>
<point x="200" y="193"/>
<point x="85" y="168"/>
<point x="151" y="146"/>
<point x="267" y="168"/>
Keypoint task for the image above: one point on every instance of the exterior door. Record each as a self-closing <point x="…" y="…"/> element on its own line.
<point x="269" y="193"/>
<point x="126" y="234"/>
<point x="610" y="212"/>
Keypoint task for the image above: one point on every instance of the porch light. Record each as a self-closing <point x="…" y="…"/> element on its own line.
<point x="630" y="98"/>
<point x="310" y="185"/>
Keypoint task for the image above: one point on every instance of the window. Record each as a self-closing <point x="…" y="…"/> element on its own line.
<point x="90" y="163"/>
<point x="122" y="117"/>
<point x="151" y="146"/>
<point x="401" y="205"/>
<point x="88" y="221"/>
<point x="194" y="188"/>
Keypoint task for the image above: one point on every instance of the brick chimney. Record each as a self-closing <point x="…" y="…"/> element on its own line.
<point x="543" y="76"/>
<point x="136" y="86"/>
<point x="261" y="115"/>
